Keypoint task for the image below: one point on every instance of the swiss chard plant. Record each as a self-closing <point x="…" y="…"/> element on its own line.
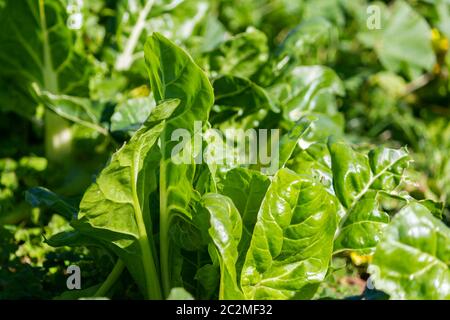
<point x="225" y="150"/>
<point x="260" y="236"/>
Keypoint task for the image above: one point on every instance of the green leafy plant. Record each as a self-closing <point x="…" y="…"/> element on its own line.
<point x="104" y="156"/>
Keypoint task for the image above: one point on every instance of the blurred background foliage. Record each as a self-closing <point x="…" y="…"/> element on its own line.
<point x="74" y="87"/>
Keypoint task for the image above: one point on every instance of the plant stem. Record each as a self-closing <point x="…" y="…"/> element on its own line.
<point x="164" y="228"/>
<point x="111" y="279"/>
<point x="151" y="274"/>
<point x="125" y="59"/>
<point x="58" y="136"/>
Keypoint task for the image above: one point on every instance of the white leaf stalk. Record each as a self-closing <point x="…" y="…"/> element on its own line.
<point x="126" y="58"/>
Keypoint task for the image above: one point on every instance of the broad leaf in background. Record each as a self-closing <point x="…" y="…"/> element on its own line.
<point x="403" y="43"/>
<point x="412" y="261"/>
<point x="135" y="19"/>
<point x="44" y="46"/>
<point x="45" y="54"/>
<point x="308" y="90"/>
<point x="311" y="42"/>
<point x="292" y="240"/>
<point x="42" y="197"/>
<point x="240" y="55"/>
<point x="241" y="94"/>
<point x="17" y="97"/>
<point x="443" y="10"/>
<point x="129" y="115"/>
<point x="77" y="109"/>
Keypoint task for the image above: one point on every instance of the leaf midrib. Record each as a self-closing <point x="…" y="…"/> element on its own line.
<point x="372" y="181"/>
<point x="49" y="75"/>
<point x="152" y="284"/>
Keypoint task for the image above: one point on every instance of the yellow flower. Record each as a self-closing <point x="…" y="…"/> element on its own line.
<point x="440" y="42"/>
<point x="359" y="260"/>
<point x="141" y="91"/>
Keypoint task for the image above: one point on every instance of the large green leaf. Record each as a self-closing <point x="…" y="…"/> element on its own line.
<point x="247" y="189"/>
<point x="116" y="207"/>
<point x="36" y="31"/>
<point x="225" y="231"/>
<point x="292" y="240"/>
<point x="357" y="180"/>
<point x="173" y="74"/>
<point x="412" y="261"/>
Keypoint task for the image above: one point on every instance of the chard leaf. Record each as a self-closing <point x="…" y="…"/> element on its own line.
<point x="135" y="22"/>
<point x="42" y="197"/>
<point x="77" y="109"/>
<point x="304" y="43"/>
<point x="312" y="42"/>
<point x="242" y="94"/>
<point x="351" y="173"/>
<point x="131" y="114"/>
<point x="412" y="261"/>
<point x="357" y="179"/>
<point x="225" y="231"/>
<point x="246" y="188"/>
<point x="173" y="74"/>
<point x="316" y="160"/>
<point x="73" y="238"/>
<point x="363" y="225"/>
<point x="307" y="90"/>
<point x="290" y="141"/>
<point x="240" y="55"/>
<point x="209" y="278"/>
<point x="45" y="47"/>
<point x="46" y="57"/>
<point x="116" y="209"/>
<point x="292" y="240"/>
<point x="403" y="44"/>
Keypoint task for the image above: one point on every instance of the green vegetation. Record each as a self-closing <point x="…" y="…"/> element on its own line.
<point x="96" y="96"/>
